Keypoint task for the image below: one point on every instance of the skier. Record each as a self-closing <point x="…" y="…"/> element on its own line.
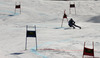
<point x="71" y="23"/>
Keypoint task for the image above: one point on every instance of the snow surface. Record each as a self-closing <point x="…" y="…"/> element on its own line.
<point x="72" y="0"/>
<point x="53" y="41"/>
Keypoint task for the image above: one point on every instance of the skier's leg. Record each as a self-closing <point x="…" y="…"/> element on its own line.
<point x="73" y="26"/>
<point x="77" y="26"/>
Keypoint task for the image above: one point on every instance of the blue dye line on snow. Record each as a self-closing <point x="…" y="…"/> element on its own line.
<point x="33" y="50"/>
<point x="37" y="53"/>
<point x="7" y="10"/>
<point x="59" y="27"/>
<point x="11" y="13"/>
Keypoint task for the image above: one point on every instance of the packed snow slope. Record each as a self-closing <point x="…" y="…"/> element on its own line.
<point x="71" y="0"/>
<point x="54" y="41"/>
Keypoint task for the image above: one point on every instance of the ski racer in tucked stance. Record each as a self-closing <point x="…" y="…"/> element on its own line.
<point x="71" y="23"/>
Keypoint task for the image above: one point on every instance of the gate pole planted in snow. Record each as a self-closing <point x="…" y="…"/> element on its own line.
<point x="30" y="33"/>
<point x="72" y="6"/>
<point x="26" y="38"/>
<point x="64" y="16"/>
<point x="17" y="7"/>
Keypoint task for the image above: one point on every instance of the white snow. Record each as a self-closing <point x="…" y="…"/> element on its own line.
<point x="53" y="41"/>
